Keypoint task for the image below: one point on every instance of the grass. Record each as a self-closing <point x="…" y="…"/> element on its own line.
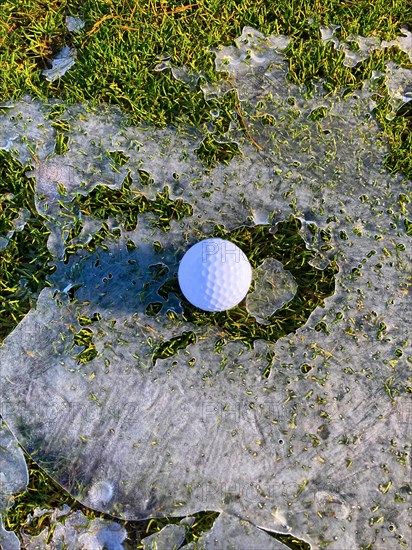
<point x="122" y="39"/>
<point x="258" y="243"/>
<point x="116" y="54"/>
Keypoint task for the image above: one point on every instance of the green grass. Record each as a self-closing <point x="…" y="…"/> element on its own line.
<point x="24" y="263"/>
<point x="118" y="48"/>
<point x="116" y="54"/>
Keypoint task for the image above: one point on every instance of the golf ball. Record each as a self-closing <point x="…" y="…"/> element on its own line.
<point x="214" y="275"/>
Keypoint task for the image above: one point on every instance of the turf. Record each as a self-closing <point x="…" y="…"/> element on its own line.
<point x="120" y="44"/>
<point x="116" y="55"/>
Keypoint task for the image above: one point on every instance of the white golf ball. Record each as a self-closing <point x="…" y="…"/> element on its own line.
<point x="214" y="275"/>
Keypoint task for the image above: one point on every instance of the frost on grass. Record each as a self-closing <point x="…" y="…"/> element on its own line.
<point x="308" y="435"/>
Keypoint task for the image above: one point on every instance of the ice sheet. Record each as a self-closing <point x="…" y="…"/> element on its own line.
<point x="320" y="446"/>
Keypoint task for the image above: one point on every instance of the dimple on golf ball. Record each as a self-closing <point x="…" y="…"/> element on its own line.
<point x="214" y="275"/>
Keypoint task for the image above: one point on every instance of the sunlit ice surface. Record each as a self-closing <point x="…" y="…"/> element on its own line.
<point x="308" y="435"/>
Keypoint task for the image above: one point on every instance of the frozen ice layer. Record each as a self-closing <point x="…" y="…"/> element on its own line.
<point x="308" y="435"/>
<point x="78" y="531"/>
<point x="74" y="24"/>
<point x="358" y="48"/>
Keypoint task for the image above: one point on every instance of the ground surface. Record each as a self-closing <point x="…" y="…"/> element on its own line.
<point x="116" y="54"/>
